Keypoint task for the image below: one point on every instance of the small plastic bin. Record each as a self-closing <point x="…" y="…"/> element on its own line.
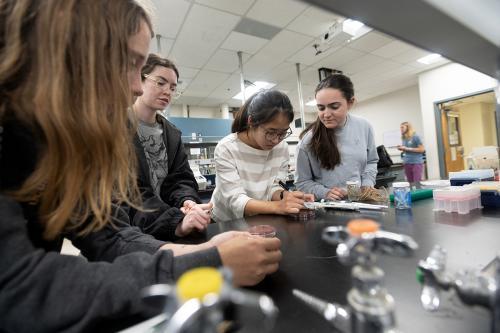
<point x="459" y="199"/>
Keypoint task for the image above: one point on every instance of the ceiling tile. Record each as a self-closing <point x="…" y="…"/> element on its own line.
<point x="276" y="12"/>
<point x="275" y="52"/>
<point x="169" y="16"/>
<point x="372" y="74"/>
<point x="313" y="22"/>
<point x="187" y="72"/>
<point x="237" y="41"/>
<point x="284" y="72"/>
<point x="233" y="6"/>
<point x="309" y="54"/>
<point x="205" y="82"/>
<point x="225" y="61"/>
<point x="227" y="89"/>
<point x="410" y="55"/>
<point x="392" y="49"/>
<point x="366" y="62"/>
<point x="165" y="44"/>
<point x="310" y="76"/>
<point x="204" y="30"/>
<point x="339" y="58"/>
<point x="370" y="41"/>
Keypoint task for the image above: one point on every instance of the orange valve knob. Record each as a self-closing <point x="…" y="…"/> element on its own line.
<point x="360" y="226"/>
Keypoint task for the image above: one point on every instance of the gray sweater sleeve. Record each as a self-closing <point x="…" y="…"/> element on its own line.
<point x="49" y="292"/>
<point x="359" y="158"/>
<point x="370" y="173"/>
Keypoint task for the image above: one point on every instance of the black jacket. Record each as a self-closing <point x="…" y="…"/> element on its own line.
<point x="177" y="187"/>
<point x="43" y="291"/>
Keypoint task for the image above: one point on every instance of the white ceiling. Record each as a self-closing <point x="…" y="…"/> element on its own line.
<point x="200" y="37"/>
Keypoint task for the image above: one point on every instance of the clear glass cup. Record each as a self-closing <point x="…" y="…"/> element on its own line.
<point x="353" y="190"/>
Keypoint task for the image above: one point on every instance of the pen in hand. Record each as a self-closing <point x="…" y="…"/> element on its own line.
<point x="283" y="185"/>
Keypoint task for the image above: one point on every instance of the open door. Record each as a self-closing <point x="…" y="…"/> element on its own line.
<point x="452" y="140"/>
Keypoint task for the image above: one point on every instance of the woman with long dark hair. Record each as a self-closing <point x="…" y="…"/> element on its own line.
<point x="337" y="147"/>
<point x="250" y="162"/>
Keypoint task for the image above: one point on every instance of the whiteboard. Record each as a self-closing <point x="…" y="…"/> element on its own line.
<point x="392" y="138"/>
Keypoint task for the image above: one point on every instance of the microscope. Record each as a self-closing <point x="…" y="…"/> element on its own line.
<point x="370" y="307"/>
<point x="472" y="287"/>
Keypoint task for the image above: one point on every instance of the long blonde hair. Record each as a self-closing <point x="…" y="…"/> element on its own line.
<point x="409" y="131"/>
<point x="63" y="74"/>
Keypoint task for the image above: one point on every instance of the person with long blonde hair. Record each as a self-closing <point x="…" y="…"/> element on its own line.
<point x="68" y="72"/>
<point x="413" y="153"/>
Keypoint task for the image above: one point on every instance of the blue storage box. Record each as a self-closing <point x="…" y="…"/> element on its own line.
<point x="465" y="181"/>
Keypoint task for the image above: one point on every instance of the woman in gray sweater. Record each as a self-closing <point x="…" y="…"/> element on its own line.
<point x="338" y="147"/>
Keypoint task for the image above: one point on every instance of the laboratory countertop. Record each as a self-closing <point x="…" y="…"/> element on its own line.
<point x="310" y="264"/>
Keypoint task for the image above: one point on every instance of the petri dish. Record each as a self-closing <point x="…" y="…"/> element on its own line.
<point x="263" y="230"/>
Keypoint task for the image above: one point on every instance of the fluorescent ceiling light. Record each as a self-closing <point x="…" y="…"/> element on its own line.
<point x="252" y="89"/>
<point x="429" y="59"/>
<point x="351" y="26"/>
<point x="355" y="28"/>
<point x="312" y="102"/>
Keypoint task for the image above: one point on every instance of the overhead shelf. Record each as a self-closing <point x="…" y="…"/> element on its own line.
<point x="419" y="23"/>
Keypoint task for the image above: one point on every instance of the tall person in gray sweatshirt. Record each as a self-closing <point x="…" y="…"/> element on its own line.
<point x="338" y="147"/>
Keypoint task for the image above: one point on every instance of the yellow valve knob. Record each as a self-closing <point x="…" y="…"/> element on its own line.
<point x="360" y="226"/>
<point x="198" y="282"/>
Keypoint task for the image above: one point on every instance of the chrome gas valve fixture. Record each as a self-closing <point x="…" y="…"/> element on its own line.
<point x="204" y="301"/>
<point x="370" y="307"/>
<point x="472" y="287"/>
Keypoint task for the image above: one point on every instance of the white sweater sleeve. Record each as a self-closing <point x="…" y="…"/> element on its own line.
<point x="231" y="193"/>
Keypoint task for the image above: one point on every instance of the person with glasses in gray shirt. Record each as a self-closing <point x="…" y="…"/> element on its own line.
<point x="250" y="162"/>
<point x="166" y="181"/>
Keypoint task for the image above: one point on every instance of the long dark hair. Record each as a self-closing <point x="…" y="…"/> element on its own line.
<point x="324" y="141"/>
<point x="262" y="107"/>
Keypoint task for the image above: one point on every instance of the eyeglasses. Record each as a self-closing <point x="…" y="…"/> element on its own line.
<point x="161" y="83"/>
<point x="280" y="135"/>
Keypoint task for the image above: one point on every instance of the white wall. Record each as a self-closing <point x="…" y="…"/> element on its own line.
<point x="444" y="83"/>
<point x="388" y="111"/>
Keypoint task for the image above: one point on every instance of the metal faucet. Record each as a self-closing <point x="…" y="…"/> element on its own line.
<point x="472" y="287"/>
<point x="248" y="311"/>
<point x="371" y="307"/>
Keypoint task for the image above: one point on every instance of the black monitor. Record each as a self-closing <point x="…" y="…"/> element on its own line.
<point x="298" y="123"/>
<point x="326" y="72"/>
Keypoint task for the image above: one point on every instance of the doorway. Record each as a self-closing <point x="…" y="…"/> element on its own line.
<point x="464" y="124"/>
